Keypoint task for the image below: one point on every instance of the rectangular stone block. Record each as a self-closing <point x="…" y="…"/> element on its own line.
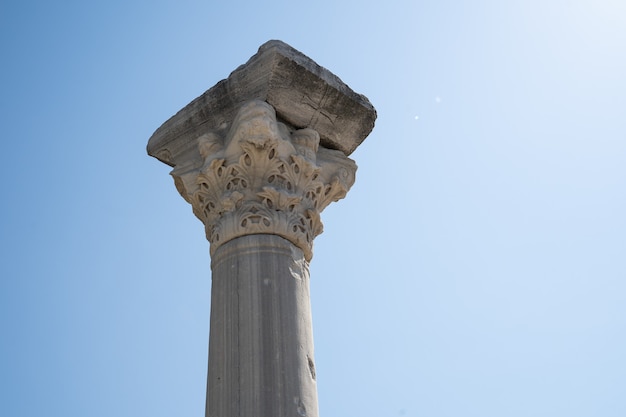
<point x="303" y="94"/>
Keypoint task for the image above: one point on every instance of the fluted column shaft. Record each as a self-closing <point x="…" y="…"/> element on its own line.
<point x="261" y="341"/>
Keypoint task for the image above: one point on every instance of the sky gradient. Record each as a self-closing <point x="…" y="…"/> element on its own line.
<point x="476" y="268"/>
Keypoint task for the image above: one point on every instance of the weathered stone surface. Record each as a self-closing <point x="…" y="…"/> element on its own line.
<point x="258" y="157"/>
<point x="304" y="94"/>
<point x="260" y="178"/>
<point x="261" y="361"/>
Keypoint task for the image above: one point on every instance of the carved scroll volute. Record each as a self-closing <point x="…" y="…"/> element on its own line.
<point x="260" y="178"/>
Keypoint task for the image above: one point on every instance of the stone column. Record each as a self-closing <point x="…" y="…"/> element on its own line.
<point x="258" y="157"/>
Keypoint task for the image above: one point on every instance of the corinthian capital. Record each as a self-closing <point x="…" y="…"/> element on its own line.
<point x="260" y="177"/>
<point x="264" y="151"/>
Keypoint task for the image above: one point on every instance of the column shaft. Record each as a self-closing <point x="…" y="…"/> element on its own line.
<point x="261" y="340"/>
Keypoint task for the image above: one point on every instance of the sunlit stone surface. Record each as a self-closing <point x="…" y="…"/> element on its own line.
<point x="259" y="156"/>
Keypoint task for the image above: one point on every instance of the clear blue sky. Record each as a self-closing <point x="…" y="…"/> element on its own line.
<point x="476" y="268"/>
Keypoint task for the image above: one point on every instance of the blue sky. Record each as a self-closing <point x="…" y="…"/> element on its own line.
<point x="476" y="268"/>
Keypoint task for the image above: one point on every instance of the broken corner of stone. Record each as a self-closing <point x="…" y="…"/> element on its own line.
<point x="303" y="94"/>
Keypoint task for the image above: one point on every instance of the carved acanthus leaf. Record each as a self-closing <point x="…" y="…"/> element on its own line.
<point x="262" y="178"/>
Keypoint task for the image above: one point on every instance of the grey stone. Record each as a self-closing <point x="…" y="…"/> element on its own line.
<point x="258" y="157"/>
<point x="304" y="95"/>
<point x="261" y="361"/>
<point x="262" y="179"/>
